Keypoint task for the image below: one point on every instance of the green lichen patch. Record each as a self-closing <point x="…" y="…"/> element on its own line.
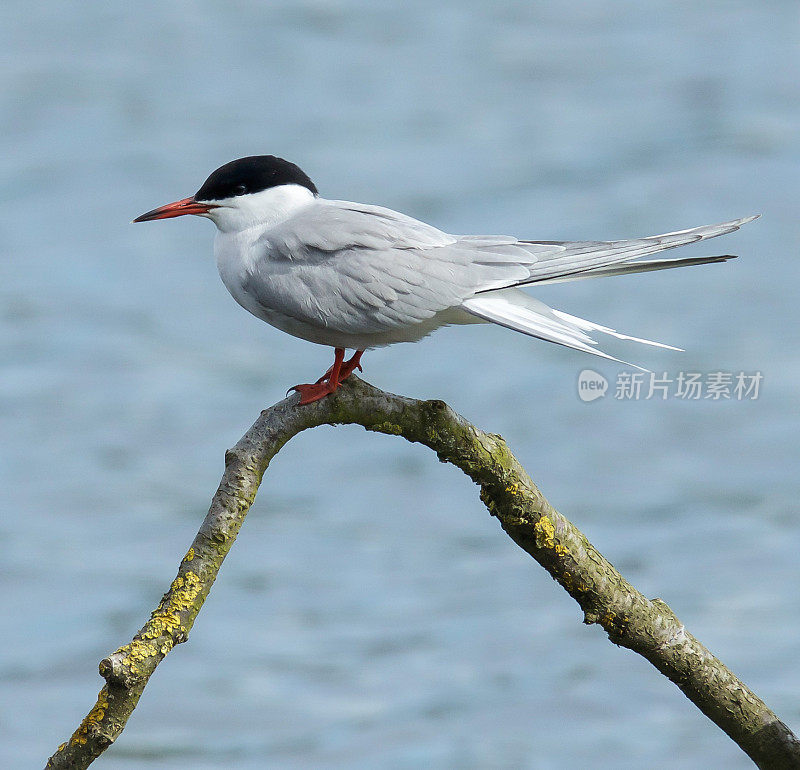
<point x="388" y="427"/>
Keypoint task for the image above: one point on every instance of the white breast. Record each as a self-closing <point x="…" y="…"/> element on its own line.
<point x="240" y="222"/>
<point x="234" y="253"/>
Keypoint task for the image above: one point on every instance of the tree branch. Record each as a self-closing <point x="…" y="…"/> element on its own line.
<point x="648" y="627"/>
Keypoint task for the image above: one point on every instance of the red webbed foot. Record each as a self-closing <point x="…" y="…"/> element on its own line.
<point x="349" y="366"/>
<point x="314" y="392"/>
<point x="331" y="380"/>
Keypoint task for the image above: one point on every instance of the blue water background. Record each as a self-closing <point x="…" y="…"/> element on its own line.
<point x="372" y="614"/>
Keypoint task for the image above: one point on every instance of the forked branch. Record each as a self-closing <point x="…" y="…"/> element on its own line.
<point x="646" y="626"/>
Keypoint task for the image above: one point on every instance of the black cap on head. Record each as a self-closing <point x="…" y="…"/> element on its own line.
<point x="250" y="175"/>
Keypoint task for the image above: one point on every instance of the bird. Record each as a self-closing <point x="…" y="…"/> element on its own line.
<point x="358" y="276"/>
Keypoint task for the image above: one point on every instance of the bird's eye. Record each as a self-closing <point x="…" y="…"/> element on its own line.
<point x="240" y="189"/>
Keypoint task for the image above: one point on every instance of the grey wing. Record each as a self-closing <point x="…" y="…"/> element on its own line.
<point x="365" y="269"/>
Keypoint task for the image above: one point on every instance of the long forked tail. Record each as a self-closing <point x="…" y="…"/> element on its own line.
<point x="516" y="310"/>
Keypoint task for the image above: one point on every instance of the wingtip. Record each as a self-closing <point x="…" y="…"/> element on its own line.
<point x="735" y="224"/>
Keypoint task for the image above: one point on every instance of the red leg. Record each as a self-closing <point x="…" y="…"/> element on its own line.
<point x="348" y="367"/>
<point x="326" y="384"/>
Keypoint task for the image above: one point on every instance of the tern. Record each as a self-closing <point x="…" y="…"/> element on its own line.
<point x="356" y="276"/>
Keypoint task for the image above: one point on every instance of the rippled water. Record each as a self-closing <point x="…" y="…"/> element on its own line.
<point x="372" y="614"/>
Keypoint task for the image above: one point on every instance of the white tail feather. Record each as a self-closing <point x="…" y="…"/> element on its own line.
<point x="516" y="310"/>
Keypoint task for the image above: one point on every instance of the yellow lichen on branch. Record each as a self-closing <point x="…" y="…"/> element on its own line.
<point x="92" y="720"/>
<point x="180" y="598"/>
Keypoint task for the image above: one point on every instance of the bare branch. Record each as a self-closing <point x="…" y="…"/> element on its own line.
<point x="648" y="627"/>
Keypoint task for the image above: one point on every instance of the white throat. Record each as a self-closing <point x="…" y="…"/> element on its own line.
<point x="263" y="209"/>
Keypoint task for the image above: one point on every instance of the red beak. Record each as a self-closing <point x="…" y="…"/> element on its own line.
<point x="177" y="209"/>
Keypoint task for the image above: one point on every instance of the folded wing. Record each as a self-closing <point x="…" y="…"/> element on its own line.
<point x="365" y="270"/>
